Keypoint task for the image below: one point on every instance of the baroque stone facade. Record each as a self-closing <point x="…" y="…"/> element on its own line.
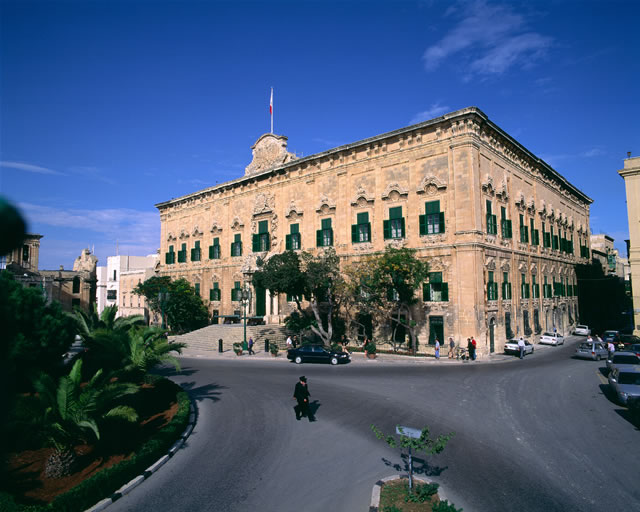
<point x="500" y="228"/>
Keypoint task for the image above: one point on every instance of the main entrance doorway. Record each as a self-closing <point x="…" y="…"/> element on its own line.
<point x="436" y="328"/>
<point x="261" y="301"/>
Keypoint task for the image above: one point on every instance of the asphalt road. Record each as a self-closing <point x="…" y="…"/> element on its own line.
<point x="531" y="435"/>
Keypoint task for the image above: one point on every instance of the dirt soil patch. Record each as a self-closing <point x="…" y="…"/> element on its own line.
<point x="393" y="494"/>
<point x="26" y="480"/>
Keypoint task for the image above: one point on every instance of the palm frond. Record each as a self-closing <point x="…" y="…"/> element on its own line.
<point x="123" y="412"/>
<point x="90" y="425"/>
<point x="64" y="397"/>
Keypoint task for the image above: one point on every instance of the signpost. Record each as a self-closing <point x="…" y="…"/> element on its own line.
<point x="415" y="434"/>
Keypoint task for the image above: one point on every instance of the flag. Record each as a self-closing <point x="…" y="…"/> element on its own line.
<point x="271" y="103"/>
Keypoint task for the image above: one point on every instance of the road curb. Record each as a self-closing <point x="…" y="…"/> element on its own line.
<point x="375" y="492"/>
<point x="135" y="482"/>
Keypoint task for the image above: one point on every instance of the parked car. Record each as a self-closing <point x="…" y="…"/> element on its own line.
<point x="551" y="338"/>
<point x="613" y="336"/>
<point x="582" y="330"/>
<point x="635" y="348"/>
<point x="511" y="347"/>
<point x="618" y="358"/>
<point x="593" y="350"/>
<point x="625" y="382"/>
<point x="316" y="354"/>
<point x="627" y="340"/>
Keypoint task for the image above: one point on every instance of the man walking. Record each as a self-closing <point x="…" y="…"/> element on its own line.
<point x="301" y="395"/>
<point x="289" y="342"/>
<point x="521" y="347"/>
<point x="452" y="346"/>
<point x="437" y="348"/>
<point x="475" y="346"/>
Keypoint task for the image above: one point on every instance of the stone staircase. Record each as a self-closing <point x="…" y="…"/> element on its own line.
<point x="206" y="339"/>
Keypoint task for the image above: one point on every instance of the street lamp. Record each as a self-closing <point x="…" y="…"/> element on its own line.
<point x="246" y="299"/>
<point x="163" y="297"/>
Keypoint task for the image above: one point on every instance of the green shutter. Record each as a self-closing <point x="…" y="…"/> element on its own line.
<point x="263" y="226"/>
<point x="395" y="213"/>
<point x="426" y="292"/>
<point x="354" y="233"/>
<point x="441" y="220"/>
<point x="287" y="242"/>
<point x="423" y="224"/>
<point x="363" y="218"/>
<point x="445" y="292"/>
<point x="330" y="237"/>
<point x="325" y="223"/>
<point x="386" y="229"/>
<point x="435" y="277"/>
<point x="294" y="228"/>
<point x="432" y="207"/>
<point x="255" y="243"/>
<point x="319" y="238"/>
<point x="402" y="226"/>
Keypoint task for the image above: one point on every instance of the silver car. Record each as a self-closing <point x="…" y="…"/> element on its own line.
<point x="511" y="347"/>
<point x="593" y="350"/>
<point x="618" y="358"/>
<point x="625" y="381"/>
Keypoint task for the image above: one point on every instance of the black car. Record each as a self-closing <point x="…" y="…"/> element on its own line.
<point x="316" y="354"/>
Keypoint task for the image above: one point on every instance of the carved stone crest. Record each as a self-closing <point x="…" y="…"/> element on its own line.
<point x="431" y="185"/>
<point x="237" y="223"/>
<point x="264" y="203"/>
<point x="361" y="198"/>
<point x="394" y="191"/>
<point x="293" y="210"/>
<point x="325" y="205"/>
<point x="216" y="227"/>
<point x="269" y="151"/>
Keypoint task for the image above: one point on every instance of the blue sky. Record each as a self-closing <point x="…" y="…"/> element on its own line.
<point x="107" y="108"/>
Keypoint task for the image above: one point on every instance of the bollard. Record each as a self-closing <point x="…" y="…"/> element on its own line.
<point x="220" y="345"/>
<point x="266" y="344"/>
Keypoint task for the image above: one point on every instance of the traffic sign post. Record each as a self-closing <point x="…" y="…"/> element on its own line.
<point x="415" y="434"/>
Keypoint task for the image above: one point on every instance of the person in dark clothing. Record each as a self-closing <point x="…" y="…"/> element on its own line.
<point x="469" y="348"/>
<point x="301" y="395"/>
<point x="251" y="352"/>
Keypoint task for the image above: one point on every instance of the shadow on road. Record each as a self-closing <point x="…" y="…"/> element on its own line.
<point x="420" y="466"/>
<point x="631" y="417"/>
<point x="312" y="409"/>
<point x="206" y="392"/>
<point x="170" y="371"/>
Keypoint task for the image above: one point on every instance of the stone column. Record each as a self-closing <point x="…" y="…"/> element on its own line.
<point x="631" y="176"/>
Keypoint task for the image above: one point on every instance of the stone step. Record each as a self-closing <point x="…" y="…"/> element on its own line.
<point x="206" y="339"/>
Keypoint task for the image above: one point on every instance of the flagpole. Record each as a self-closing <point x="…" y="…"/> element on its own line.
<point x="271" y="110"/>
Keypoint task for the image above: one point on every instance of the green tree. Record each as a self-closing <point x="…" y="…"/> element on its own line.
<point x="314" y="278"/>
<point x="184" y="308"/>
<point x="384" y="286"/>
<point x="147" y="348"/>
<point x="74" y="410"/>
<point x="89" y="323"/>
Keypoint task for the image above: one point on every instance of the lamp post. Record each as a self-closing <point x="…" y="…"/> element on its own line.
<point x="246" y="299"/>
<point x="163" y="297"/>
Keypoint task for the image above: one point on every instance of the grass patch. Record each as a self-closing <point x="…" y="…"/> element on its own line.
<point x="395" y="497"/>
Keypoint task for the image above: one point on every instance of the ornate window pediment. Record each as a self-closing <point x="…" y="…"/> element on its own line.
<point x="542" y="208"/>
<point x="531" y="205"/>
<point x="490" y="263"/>
<point x="196" y="231"/>
<point x="394" y="191"/>
<point x="216" y="227"/>
<point x="502" y="192"/>
<point x="431" y="185"/>
<point x="361" y="198"/>
<point x="171" y="237"/>
<point x="237" y="223"/>
<point x="325" y="205"/>
<point x="520" y="202"/>
<point x="264" y="203"/>
<point x="293" y="210"/>
<point x="183" y="234"/>
<point x="487" y="185"/>
<point x="505" y="266"/>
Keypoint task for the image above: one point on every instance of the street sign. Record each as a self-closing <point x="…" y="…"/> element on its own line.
<point x="408" y="432"/>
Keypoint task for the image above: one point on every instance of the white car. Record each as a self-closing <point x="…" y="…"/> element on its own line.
<point x="511" y="347"/>
<point x="582" y="330"/>
<point x="551" y="338"/>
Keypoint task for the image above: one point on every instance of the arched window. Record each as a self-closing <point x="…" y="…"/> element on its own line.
<point x="76" y="284"/>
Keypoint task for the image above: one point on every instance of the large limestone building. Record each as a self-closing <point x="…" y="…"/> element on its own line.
<point x="500" y="228"/>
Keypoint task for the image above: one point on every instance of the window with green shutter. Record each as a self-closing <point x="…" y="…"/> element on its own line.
<point x="260" y="240"/>
<point x="432" y="222"/>
<point x="524" y="287"/>
<point x="506" y="286"/>
<point x="214" y="249"/>
<point x="236" y="291"/>
<point x="492" y="287"/>
<point x="436" y="290"/>
<point x="524" y="231"/>
<point x="214" y="293"/>
<point x="394" y="227"/>
<point x="361" y="230"/>
<point x="195" y="252"/>
<point x="182" y="254"/>
<point x="236" y="245"/>
<point x="324" y="236"/>
<point x="292" y="240"/>
<point x="197" y="288"/>
<point x="535" y="234"/>
<point x="535" y="287"/>
<point x="170" y="257"/>
<point x="492" y="223"/>
<point x="505" y="224"/>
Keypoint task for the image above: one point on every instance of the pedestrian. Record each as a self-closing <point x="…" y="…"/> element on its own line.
<point x="289" y="342"/>
<point x="589" y="338"/>
<point x="475" y="346"/>
<point x="437" y="348"/>
<point x="452" y="347"/>
<point x="295" y="342"/>
<point x="611" y="348"/>
<point x="301" y="395"/>
<point x="521" y="347"/>
<point x="251" y="352"/>
<point x="469" y="348"/>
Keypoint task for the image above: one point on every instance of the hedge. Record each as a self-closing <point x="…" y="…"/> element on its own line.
<point x="107" y="481"/>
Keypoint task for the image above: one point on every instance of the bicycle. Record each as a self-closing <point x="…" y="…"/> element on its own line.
<point x="462" y="354"/>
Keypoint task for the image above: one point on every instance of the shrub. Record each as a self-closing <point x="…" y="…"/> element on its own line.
<point x="445" y="506"/>
<point x="422" y="493"/>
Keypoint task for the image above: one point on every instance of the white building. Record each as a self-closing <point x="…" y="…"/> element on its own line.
<point x="109" y="279"/>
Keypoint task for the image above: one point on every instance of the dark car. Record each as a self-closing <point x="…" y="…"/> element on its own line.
<point x="611" y="336"/>
<point x="628" y="339"/>
<point x="316" y="354"/>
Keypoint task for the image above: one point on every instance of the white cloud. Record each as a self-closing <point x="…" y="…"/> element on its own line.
<point x="22" y="166"/>
<point x="488" y="40"/>
<point x="593" y="152"/>
<point x="434" y="111"/>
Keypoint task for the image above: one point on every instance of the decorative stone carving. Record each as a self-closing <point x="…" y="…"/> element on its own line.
<point x="436" y="239"/>
<point x="520" y="202"/>
<point x="505" y="266"/>
<point x="216" y="227"/>
<point x="183" y="234"/>
<point x="293" y="211"/>
<point x="502" y="192"/>
<point x="394" y="191"/>
<point x="487" y="185"/>
<point x="325" y="205"/>
<point x="264" y="203"/>
<point x="531" y="205"/>
<point x="237" y="223"/>
<point x="196" y="231"/>
<point x="431" y="185"/>
<point x="361" y="198"/>
<point x="171" y="237"/>
<point x="269" y="151"/>
<point x="490" y="263"/>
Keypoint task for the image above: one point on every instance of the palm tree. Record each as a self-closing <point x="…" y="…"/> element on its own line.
<point x="148" y="348"/>
<point x="89" y="323"/>
<point x="73" y="412"/>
